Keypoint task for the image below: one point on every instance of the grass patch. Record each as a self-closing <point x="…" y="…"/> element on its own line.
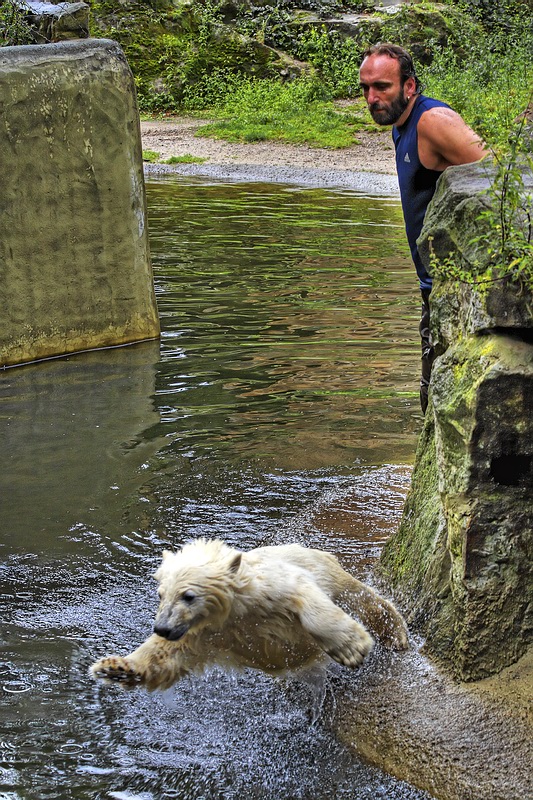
<point x="300" y="112"/>
<point x="151" y="156"/>
<point x="186" y="158"/>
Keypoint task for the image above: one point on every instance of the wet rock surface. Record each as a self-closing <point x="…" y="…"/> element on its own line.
<point x="462" y="557"/>
<point x="456" y="741"/>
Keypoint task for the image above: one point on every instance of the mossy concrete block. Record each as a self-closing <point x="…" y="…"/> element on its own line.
<point x="74" y="258"/>
<point x="452" y="223"/>
<point x="407" y="556"/>
<point x="459" y="309"/>
<point x="451" y="220"/>
<point x="462" y="557"/>
<point x="482" y="392"/>
<point x="415" y="561"/>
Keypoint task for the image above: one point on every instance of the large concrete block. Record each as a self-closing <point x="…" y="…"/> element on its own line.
<point x="75" y="271"/>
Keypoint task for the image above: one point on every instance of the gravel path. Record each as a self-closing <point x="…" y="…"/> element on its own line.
<point x="367" y="166"/>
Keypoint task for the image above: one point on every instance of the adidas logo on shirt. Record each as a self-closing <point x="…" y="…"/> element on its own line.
<point x="406" y="158"/>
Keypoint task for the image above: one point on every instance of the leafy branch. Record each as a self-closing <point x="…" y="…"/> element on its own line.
<point x="504" y="248"/>
<point x="14" y="28"/>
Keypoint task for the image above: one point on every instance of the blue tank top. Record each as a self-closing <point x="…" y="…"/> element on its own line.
<point x="417" y="184"/>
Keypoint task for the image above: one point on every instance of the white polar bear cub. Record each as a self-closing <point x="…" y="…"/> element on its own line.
<point x="272" y="608"/>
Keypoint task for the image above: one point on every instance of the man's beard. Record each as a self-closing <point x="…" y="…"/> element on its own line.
<point x="391" y="113"/>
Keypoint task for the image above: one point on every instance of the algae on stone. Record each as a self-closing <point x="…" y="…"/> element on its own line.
<point x="462" y="558"/>
<point x="76" y="271"/>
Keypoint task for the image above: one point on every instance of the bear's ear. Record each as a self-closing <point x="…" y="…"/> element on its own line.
<point x="166" y="554"/>
<point x="235" y="563"/>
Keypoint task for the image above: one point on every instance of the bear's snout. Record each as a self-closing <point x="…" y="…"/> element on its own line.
<point x="172" y="634"/>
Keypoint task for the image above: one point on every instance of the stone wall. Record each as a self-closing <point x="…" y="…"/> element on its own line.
<point x="74" y="257"/>
<point x="56" y="22"/>
<point x="462" y="558"/>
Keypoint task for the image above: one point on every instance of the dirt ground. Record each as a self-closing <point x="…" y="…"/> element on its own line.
<point x="176" y="137"/>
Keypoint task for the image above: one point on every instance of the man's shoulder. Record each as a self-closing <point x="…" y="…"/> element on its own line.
<point x="435" y="113"/>
<point x="427" y="103"/>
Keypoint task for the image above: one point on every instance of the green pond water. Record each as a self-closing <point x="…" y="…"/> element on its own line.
<point x="280" y="405"/>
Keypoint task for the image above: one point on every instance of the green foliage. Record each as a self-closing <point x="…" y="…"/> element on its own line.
<point x="139" y="29"/>
<point x="497" y="14"/>
<point x="150" y="156"/>
<point x="299" y="112"/>
<point x="336" y="58"/>
<point x="14" y="29"/>
<point x="505" y="244"/>
<point x="489" y="84"/>
<point x="186" y="158"/>
<point x="269" y="23"/>
<point x="182" y="55"/>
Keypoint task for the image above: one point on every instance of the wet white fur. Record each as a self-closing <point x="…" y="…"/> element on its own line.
<point x="272" y="608"/>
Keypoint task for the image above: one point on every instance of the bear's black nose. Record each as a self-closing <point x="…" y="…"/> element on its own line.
<point x="173" y="634"/>
<point x="162" y="630"/>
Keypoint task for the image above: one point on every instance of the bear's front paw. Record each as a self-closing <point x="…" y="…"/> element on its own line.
<point x="352" y="652"/>
<point x="116" y="668"/>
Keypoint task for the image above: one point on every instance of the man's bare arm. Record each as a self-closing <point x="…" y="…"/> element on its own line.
<point x="445" y="140"/>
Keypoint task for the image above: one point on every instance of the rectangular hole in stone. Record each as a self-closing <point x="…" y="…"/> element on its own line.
<point x="511" y="470"/>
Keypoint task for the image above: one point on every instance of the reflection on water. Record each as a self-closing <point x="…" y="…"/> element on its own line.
<point x="281" y="407"/>
<point x="72" y="440"/>
<point x="295" y="335"/>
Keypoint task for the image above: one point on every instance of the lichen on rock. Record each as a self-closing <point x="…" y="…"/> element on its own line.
<point x="462" y="556"/>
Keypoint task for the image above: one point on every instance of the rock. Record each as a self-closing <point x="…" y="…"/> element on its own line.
<point x="422" y="28"/>
<point x="76" y="271"/>
<point x="363" y="28"/>
<point x="461" y="308"/>
<point x="451" y="227"/>
<point x="255" y="58"/>
<point x="416" y="27"/>
<point x="462" y="558"/>
<point x="55" y="22"/>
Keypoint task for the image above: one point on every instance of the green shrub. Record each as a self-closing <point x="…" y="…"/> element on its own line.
<point x="497" y="14"/>
<point x="489" y="87"/>
<point x="336" y="58"/>
<point x="14" y="29"/>
<point x="298" y="112"/>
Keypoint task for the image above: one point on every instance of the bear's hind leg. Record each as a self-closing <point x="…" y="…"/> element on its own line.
<point x="340" y="636"/>
<point x="376" y="613"/>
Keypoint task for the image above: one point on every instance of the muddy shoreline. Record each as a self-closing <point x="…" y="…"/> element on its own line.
<point x="366" y="167"/>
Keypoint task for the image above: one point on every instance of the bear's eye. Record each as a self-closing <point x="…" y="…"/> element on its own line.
<point x="189" y="596"/>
